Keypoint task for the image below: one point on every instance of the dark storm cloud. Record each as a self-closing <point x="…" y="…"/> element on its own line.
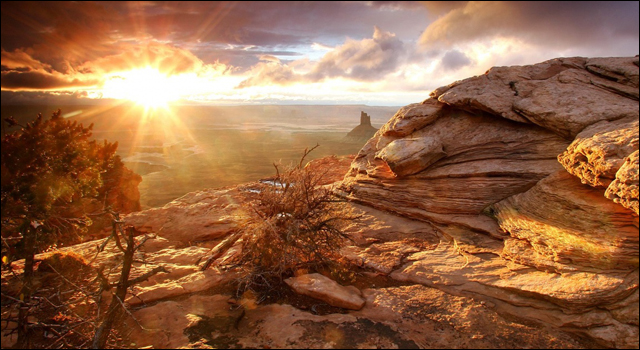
<point x="212" y="22"/>
<point x="43" y="98"/>
<point x="548" y="24"/>
<point x="57" y="33"/>
<point x="56" y="26"/>
<point x="20" y="71"/>
<point x="35" y="80"/>
<point x="63" y="34"/>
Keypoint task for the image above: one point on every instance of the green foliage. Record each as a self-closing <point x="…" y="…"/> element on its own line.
<point x="53" y="176"/>
<point x="295" y="225"/>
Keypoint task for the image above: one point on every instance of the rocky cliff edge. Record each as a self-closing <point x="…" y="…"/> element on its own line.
<point x="531" y="175"/>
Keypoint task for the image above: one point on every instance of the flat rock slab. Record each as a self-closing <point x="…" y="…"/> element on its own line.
<point x="323" y="288"/>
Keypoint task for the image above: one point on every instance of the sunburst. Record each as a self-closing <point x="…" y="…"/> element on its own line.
<point x="145" y="86"/>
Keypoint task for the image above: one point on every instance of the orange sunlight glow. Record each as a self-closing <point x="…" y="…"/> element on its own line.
<point x="145" y="86"/>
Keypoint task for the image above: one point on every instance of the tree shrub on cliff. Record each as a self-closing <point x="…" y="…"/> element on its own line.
<point x="53" y="177"/>
<point x="295" y="224"/>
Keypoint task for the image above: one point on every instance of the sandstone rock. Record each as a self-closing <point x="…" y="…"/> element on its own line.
<point x="399" y="317"/>
<point x="600" y="150"/>
<point x="383" y="257"/>
<point x="320" y="287"/>
<point x="459" y="321"/>
<point x="489" y="275"/>
<point x="575" y="226"/>
<point x="557" y="94"/>
<point x="196" y="216"/>
<point x="495" y="159"/>
<point x="616" y="69"/>
<point x="627" y="310"/>
<point x="565" y="105"/>
<point x="180" y="281"/>
<point x="562" y="253"/>
<point x="412" y="118"/>
<point x="411" y="156"/>
<point x="624" y="189"/>
<point x="183" y="277"/>
<point x="564" y="300"/>
<point x="9" y="337"/>
<point x="166" y="322"/>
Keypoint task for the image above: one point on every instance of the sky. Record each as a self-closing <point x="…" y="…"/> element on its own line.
<point x="375" y="53"/>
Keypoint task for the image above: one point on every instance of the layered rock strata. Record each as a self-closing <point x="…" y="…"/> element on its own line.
<point x="530" y="174"/>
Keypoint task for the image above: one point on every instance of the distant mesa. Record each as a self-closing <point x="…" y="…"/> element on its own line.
<point x="364" y="131"/>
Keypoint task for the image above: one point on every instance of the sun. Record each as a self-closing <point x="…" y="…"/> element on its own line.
<point x="145" y="86"/>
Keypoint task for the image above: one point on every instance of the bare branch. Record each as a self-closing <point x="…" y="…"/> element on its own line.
<point x="130" y="314"/>
<point x="220" y="249"/>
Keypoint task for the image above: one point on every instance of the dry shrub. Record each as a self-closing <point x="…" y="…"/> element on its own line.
<point x="295" y="225"/>
<point x="68" y="264"/>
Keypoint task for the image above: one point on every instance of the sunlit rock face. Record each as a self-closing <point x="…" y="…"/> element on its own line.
<point x="323" y="288"/>
<point x="624" y="189"/>
<point x="531" y="175"/>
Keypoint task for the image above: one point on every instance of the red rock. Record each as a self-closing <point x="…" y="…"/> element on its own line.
<point x="320" y="287"/>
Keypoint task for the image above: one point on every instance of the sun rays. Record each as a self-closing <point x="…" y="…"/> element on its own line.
<point x="147" y="87"/>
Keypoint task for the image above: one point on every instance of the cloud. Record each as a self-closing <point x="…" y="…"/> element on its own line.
<point x="270" y="73"/>
<point x="558" y="25"/>
<point x="396" y="5"/>
<point x="58" y="33"/>
<point x="38" y="80"/>
<point x="166" y="58"/>
<point x="284" y="45"/>
<point x="269" y="58"/>
<point x="21" y="60"/>
<point x="20" y="71"/>
<point x="454" y="60"/>
<point x="45" y="98"/>
<point x="66" y="35"/>
<point x="361" y="60"/>
<point x="367" y="59"/>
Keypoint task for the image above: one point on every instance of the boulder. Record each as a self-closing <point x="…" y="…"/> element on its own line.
<point x="323" y="288"/>
<point x="600" y="150"/>
<point x="411" y="156"/>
